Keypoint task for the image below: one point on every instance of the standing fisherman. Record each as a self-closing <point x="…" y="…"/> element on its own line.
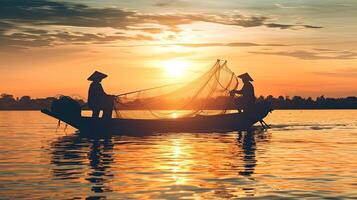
<point x="97" y="99"/>
<point x="247" y="100"/>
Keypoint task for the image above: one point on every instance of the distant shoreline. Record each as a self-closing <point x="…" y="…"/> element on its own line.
<point x="9" y="102"/>
<point x="192" y="109"/>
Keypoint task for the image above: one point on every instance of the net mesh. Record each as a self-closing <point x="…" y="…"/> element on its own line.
<point x="206" y="95"/>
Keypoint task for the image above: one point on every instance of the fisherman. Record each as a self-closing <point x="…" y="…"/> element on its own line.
<point x="97" y="99"/>
<point x="247" y="100"/>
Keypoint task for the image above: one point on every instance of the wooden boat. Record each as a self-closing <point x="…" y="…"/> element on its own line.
<point x="198" y="124"/>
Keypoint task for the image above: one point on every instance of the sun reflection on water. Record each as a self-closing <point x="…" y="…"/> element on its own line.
<point x="272" y="164"/>
<point x="177" y="163"/>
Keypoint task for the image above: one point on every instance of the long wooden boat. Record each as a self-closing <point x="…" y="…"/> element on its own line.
<point x="198" y="124"/>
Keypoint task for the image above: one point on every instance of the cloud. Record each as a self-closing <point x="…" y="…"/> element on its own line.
<point x="320" y="6"/>
<point x="232" y="44"/>
<point x="235" y="20"/>
<point x="344" y="73"/>
<point x="289" y="26"/>
<point x="325" y="50"/>
<point x="42" y="21"/>
<point x="312" y="55"/>
<point x="199" y="45"/>
<point x="44" y="12"/>
<point x="5" y="26"/>
<point x="166" y="3"/>
<point x="279" y="5"/>
<point x="40" y="38"/>
<point x="150" y="30"/>
<point x="310" y="26"/>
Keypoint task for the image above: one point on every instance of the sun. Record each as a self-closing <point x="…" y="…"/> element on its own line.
<point x="175" y="68"/>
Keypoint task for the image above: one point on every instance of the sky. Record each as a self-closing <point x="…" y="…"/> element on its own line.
<point x="290" y="47"/>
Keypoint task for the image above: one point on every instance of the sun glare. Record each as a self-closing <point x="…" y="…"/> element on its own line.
<point x="175" y="68"/>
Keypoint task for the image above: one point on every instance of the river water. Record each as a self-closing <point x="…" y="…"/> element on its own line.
<point x="309" y="154"/>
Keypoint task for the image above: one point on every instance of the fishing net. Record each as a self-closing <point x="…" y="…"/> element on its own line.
<point x="206" y="95"/>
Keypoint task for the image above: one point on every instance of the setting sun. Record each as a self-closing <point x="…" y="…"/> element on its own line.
<point x="175" y="68"/>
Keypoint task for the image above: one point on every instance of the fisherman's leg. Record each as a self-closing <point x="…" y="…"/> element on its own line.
<point x="248" y="106"/>
<point x="95" y="113"/>
<point x="238" y="103"/>
<point x="109" y="105"/>
<point x="107" y="113"/>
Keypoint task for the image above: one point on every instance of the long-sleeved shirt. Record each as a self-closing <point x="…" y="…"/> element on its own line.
<point x="96" y="95"/>
<point x="247" y="93"/>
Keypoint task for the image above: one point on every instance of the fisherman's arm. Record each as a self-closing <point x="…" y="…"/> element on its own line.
<point x="235" y="92"/>
<point x="101" y="90"/>
<point x="104" y="93"/>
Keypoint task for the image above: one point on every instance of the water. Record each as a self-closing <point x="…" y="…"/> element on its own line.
<point x="306" y="154"/>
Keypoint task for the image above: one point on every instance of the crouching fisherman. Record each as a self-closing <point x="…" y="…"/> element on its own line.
<point x="97" y="99"/>
<point x="247" y="99"/>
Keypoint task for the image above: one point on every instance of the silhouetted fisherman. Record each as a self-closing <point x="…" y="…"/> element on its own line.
<point x="97" y="99"/>
<point x="247" y="100"/>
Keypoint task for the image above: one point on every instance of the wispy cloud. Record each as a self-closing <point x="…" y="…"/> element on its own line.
<point x="41" y="38"/>
<point x="47" y="19"/>
<point x="232" y="44"/>
<point x="203" y="45"/>
<point x="280" y="5"/>
<point x="312" y="54"/>
<point x="289" y="26"/>
<point x="344" y="72"/>
<point x="166" y="3"/>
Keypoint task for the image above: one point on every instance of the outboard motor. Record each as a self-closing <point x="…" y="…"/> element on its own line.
<point x="66" y="107"/>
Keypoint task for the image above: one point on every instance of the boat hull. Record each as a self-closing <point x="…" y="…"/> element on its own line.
<point x="198" y="124"/>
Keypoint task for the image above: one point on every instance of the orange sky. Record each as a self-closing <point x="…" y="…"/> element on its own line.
<point x="289" y="48"/>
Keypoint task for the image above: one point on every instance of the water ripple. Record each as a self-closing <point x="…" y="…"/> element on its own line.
<point x="306" y="154"/>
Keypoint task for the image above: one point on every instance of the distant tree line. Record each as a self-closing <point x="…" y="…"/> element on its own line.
<point x="321" y="102"/>
<point x="9" y="102"/>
